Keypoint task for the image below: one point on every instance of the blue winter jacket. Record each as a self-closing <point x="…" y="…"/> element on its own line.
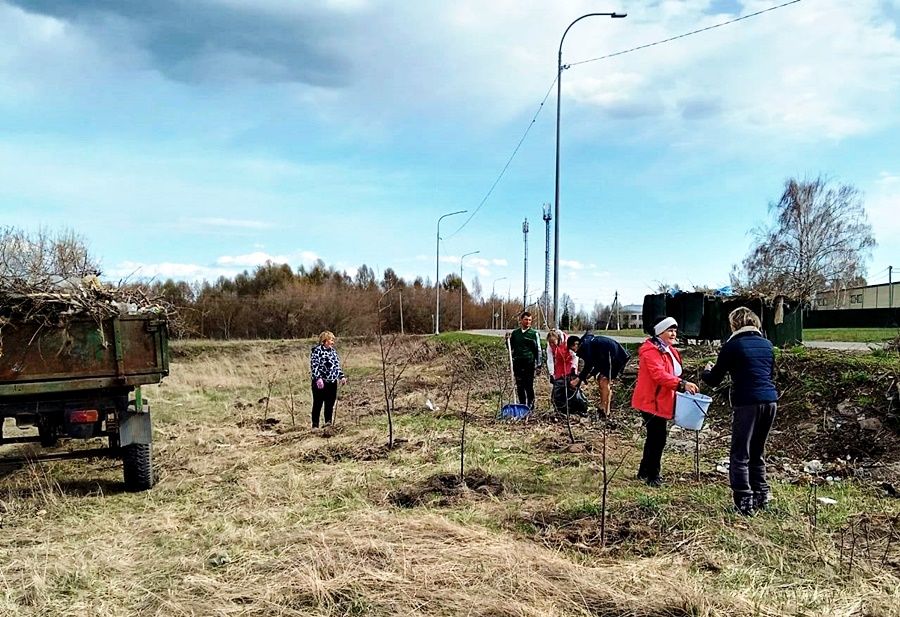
<point x="750" y="360"/>
<point x="602" y="356"/>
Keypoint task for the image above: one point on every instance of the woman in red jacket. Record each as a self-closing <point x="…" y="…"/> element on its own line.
<point x="561" y="361"/>
<point x="659" y="377"/>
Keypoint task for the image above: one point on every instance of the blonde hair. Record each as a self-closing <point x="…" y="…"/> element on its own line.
<point x="742" y="317"/>
<point x="555" y="334"/>
<point x="326" y="335"/>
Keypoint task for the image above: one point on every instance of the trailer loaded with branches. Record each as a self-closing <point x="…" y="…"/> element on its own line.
<point x="73" y="358"/>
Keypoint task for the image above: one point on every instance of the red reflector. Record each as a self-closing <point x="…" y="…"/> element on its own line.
<point x="83" y="416"/>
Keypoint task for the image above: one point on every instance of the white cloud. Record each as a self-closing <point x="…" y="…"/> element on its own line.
<point x="226" y="222"/>
<point x="572" y="264"/>
<point x="258" y="258"/>
<point x="131" y="270"/>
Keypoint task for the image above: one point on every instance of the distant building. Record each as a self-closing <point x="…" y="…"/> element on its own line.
<point x="632" y="316"/>
<point x="870" y="296"/>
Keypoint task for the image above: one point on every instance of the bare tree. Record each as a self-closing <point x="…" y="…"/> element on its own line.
<point x="395" y="360"/>
<point x="820" y="238"/>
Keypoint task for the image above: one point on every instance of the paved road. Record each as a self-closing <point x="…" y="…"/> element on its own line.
<point x="640" y="339"/>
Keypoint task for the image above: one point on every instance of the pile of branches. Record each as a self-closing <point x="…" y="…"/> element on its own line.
<point x="50" y="279"/>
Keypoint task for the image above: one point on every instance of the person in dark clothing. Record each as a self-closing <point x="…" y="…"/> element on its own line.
<point x="750" y="360"/>
<point x="525" y="348"/>
<point x="325" y="371"/>
<point x="603" y="358"/>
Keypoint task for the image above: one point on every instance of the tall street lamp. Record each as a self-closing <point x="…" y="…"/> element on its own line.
<point x="461" y="288"/>
<point x="493" y="295"/>
<point x="437" y="273"/>
<point x="559" y="70"/>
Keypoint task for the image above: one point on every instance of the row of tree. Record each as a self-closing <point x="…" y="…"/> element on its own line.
<point x="274" y="301"/>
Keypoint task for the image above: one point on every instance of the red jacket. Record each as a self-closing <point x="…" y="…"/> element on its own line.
<point x="564" y="360"/>
<point x="656" y="384"/>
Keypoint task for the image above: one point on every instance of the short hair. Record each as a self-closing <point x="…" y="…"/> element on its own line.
<point x="525" y="314"/>
<point x="570" y="343"/>
<point x="326" y="335"/>
<point x="742" y="317"/>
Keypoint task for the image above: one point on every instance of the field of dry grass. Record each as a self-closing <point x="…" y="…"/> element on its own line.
<point x="255" y="513"/>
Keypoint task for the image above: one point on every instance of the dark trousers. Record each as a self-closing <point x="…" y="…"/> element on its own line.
<point x="750" y="427"/>
<point x="326" y="395"/>
<point x="657" y="431"/>
<point x="523" y="370"/>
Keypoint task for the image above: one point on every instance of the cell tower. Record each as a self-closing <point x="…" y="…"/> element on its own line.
<point x="545" y="298"/>
<point x="525" y="281"/>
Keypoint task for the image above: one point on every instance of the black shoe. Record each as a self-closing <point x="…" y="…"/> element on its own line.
<point x="655" y="481"/>
<point x="743" y="505"/>
<point x="761" y="500"/>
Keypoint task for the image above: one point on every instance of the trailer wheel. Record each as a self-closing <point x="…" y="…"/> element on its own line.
<point x="137" y="464"/>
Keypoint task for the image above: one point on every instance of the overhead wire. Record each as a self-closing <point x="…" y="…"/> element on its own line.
<point x="613" y="55"/>
<point x="508" y="162"/>
<point x="681" y="36"/>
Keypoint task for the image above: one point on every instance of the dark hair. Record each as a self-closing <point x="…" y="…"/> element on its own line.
<point x="570" y="342"/>
<point x="524" y="314"/>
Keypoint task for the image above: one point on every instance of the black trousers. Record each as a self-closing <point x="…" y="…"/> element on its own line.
<point x="657" y="431"/>
<point x="326" y="396"/>
<point x="523" y="371"/>
<point x="750" y="425"/>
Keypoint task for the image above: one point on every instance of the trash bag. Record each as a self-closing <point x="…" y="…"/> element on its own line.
<point x="563" y="391"/>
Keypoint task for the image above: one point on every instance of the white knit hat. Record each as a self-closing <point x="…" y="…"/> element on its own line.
<point x="664" y="325"/>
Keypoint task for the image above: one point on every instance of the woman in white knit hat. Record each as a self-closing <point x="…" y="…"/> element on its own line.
<point x="659" y="377"/>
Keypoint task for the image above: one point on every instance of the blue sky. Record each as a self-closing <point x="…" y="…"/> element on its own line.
<point x="193" y="139"/>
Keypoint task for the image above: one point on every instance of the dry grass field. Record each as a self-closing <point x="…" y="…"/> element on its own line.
<point x="256" y="514"/>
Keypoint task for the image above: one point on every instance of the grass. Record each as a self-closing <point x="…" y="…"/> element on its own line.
<point x="851" y="335"/>
<point x="255" y="520"/>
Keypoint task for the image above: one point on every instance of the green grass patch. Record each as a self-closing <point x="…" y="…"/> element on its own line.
<point x="851" y="335"/>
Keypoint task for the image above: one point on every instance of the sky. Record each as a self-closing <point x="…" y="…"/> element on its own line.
<point x="194" y="139"/>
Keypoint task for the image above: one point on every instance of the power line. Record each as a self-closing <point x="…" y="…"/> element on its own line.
<point x="681" y="36"/>
<point x="508" y="162"/>
<point x="567" y="66"/>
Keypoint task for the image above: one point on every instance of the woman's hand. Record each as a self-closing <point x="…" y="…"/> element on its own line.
<point x="343" y="381"/>
<point x="691" y="387"/>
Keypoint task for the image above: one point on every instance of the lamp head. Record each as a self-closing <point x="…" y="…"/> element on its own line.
<point x="618" y="15"/>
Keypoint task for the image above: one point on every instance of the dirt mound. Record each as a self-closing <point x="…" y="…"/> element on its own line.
<point x="334" y="453"/>
<point x="582" y="530"/>
<point x="447" y="486"/>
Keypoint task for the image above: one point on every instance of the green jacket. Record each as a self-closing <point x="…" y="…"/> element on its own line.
<point x="525" y="346"/>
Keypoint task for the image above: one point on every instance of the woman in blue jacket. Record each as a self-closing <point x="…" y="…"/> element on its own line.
<point x="750" y="360"/>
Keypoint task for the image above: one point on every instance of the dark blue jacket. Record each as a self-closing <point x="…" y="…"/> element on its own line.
<point x="750" y="360"/>
<point x="602" y="356"/>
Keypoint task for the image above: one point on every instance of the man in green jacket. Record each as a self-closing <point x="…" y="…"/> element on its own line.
<point x="525" y="347"/>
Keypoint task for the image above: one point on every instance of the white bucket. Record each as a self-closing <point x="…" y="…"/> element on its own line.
<point x="690" y="410"/>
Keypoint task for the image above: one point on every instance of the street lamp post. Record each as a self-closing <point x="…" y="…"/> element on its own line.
<point x="493" y="295"/>
<point x="461" y="288"/>
<point x="437" y="272"/>
<point x="559" y="70"/>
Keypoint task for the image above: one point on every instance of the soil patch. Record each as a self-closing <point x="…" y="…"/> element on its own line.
<point x="583" y="531"/>
<point x="447" y="486"/>
<point x="334" y="453"/>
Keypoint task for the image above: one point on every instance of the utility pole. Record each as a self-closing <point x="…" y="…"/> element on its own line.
<point x="525" y="267"/>
<point x="545" y="299"/>
<point x="400" y="291"/>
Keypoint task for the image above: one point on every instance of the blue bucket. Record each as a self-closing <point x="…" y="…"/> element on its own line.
<point x="690" y="410"/>
<point x="514" y="411"/>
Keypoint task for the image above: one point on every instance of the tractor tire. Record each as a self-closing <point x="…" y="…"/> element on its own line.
<point x="137" y="465"/>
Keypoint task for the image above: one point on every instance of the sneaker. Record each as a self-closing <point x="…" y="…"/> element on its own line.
<point x="744" y="505"/>
<point x="761" y="500"/>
